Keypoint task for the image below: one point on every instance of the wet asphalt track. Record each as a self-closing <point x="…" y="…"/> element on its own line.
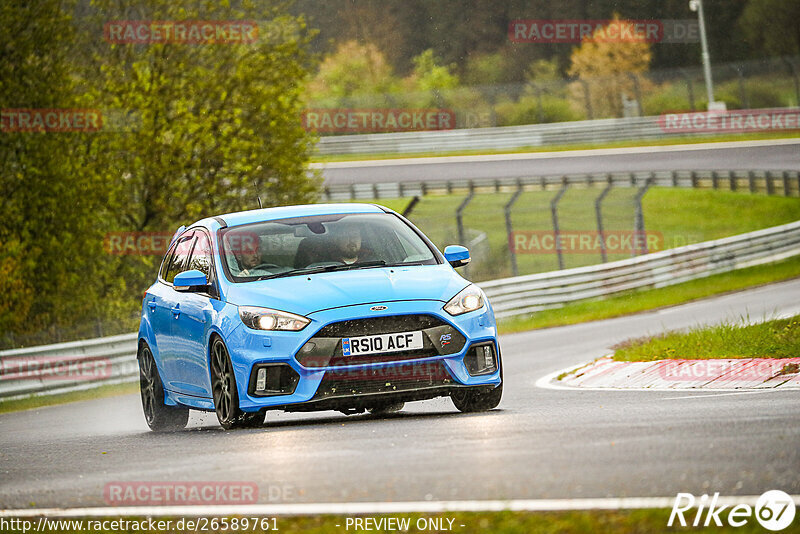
<point x="539" y="443"/>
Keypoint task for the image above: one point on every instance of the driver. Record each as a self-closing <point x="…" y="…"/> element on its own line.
<point x="347" y="244"/>
<point x="249" y="257"/>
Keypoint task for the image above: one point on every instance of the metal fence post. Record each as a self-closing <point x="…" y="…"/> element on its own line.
<point x="510" y="229"/>
<point x="598" y="212"/>
<point x="637" y="93"/>
<point x="785" y="175"/>
<point x="539" y="102"/>
<point x="689" y="88"/>
<point x="410" y="207"/>
<point x="793" y="68"/>
<point x="798" y="183"/>
<point x="770" y="184"/>
<point x="639" y="222"/>
<point x="462" y="238"/>
<point x="554" y="215"/>
<point x="459" y="214"/>
<point x="742" y="92"/>
<point x="589" y="113"/>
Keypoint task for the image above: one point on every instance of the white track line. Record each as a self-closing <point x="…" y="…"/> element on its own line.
<point x="749" y="392"/>
<point x="355" y="508"/>
<point x="548" y="155"/>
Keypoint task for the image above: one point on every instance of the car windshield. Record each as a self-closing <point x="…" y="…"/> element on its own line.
<point x="304" y="245"/>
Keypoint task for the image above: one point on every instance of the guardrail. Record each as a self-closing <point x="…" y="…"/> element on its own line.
<point x="505" y="137"/>
<point x="527" y="294"/>
<point x="96" y="362"/>
<point x="65" y="367"/>
<point x="786" y="183"/>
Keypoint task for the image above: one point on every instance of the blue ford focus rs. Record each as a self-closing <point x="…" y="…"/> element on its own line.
<point x="344" y="307"/>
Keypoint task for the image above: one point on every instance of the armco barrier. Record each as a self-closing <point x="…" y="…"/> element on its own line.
<point x="505" y="137"/>
<point x="785" y="183"/>
<point x="64" y="367"/>
<point x="510" y="296"/>
<point x="531" y="293"/>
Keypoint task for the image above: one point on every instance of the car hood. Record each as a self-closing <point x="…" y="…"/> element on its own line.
<point x="306" y="294"/>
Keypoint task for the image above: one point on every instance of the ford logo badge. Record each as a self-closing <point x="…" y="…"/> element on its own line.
<point x="378" y="308"/>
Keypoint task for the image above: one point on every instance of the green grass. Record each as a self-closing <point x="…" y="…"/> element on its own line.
<point x="31" y="403"/>
<point x="579" y="522"/>
<point x="638" y="301"/>
<point x="777" y="338"/>
<point x="561" y="148"/>
<point x="675" y="216"/>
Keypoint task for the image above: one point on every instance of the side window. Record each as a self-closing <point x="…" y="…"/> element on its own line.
<point x="180" y="258"/>
<point x="201" y="256"/>
<point x="165" y="264"/>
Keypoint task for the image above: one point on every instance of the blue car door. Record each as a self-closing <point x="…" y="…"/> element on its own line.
<point x="168" y="310"/>
<point x="191" y="326"/>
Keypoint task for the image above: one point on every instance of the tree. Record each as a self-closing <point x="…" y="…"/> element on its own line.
<point x="772" y="26"/>
<point x="606" y="67"/>
<point x="353" y="70"/>
<point x="49" y="236"/>
<point x="429" y="79"/>
<point x="200" y="129"/>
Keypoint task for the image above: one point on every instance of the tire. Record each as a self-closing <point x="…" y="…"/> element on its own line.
<point x="476" y="399"/>
<point x="226" y="394"/>
<point x="384" y="409"/>
<point x="159" y="416"/>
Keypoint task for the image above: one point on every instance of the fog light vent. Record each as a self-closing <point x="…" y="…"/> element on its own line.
<point x="481" y="359"/>
<point x="273" y="379"/>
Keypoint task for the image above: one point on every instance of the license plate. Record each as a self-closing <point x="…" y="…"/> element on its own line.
<point x="356" y="346"/>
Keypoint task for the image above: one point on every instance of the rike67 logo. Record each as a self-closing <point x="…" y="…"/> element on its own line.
<point x="774" y="510"/>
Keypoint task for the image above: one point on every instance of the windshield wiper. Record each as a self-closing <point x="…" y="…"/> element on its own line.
<point x="294" y="272"/>
<point x="336" y="267"/>
<point x="331" y="268"/>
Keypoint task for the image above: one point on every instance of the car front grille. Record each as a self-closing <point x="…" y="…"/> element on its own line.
<point x="324" y="349"/>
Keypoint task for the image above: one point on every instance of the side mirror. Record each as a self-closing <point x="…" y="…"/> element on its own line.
<point x="187" y="280"/>
<point x="456" y="255"/>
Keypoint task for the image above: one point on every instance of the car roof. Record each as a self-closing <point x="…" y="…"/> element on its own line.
<point x="285" y="212"/>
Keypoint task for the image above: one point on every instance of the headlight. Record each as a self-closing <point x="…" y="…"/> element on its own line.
<point x="469" y="299"/>
<point x="267" y="319"/>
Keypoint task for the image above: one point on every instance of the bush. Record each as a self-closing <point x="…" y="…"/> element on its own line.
<point x="667" y="97"/>
<point x="526" y="111"/>
<point x="762" y="95"/>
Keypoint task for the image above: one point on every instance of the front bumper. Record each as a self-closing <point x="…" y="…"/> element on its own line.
<point x="435" y="373"/>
